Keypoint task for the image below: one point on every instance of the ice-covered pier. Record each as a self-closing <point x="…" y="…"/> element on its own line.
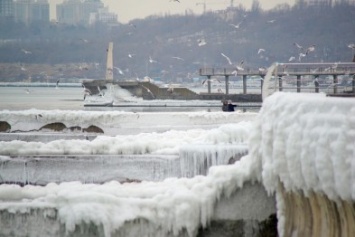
<point x="300" y="163"/>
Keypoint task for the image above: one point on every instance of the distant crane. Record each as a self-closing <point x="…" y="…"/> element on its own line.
<point x="204" y="6"/>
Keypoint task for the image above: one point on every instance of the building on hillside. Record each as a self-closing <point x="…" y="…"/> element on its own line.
<point x="329" y="2"/>
<point x="319" y="2"/>
<point x="6" y="8"/>
<point x="324" y="2"/>
<point x="103" y="15"/>
<point x="28" y="11"/>
<point x="84" y="12"/>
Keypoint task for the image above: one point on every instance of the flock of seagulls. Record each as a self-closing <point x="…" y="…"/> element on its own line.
<point x="303" y="52"/>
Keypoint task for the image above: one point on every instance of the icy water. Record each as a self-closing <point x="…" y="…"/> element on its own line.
<point x="21" y="98"/>
<point x="72" y="98"/>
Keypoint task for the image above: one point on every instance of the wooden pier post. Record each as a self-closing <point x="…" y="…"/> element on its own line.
<point x="335" y="81"/>
<point x="316" y="84"/>
<point x="209" y="84"/>
<point x="298" y="83"/>
<point x="262" y="83"/>
<point x="280" y="83"/>
<point x="227" y="84"/>
<point x="353" y="82"/>
<point x="244" y="84"/>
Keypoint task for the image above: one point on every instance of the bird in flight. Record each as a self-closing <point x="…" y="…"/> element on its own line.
<point x="210" y="80"/>
<point x="151" y="60"/>
<point x="26" y="52"/>
<point x="175" y="1"/>
<point x="178" y="58"/>
<point x="236" y="26"/>
<point x="261" y="50"/>
<point x="238" y="68"/>
<point x="228" y="59"/>
<point x="310" y="48"/>
<point x="130" y="55"/>
<point x="201" y="42"/>
<point x="301" y="55"/>
<point x="298" y="46"/>
<point x="119" y="70"/>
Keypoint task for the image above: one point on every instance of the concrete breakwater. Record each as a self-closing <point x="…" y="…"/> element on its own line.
<point x="49" y="170"/>
<point x="150" y="91"/>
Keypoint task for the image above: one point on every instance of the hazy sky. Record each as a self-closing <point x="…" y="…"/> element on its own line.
<point x="131" y="9"/>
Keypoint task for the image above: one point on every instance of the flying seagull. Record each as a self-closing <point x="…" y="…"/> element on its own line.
<point x="210" y="80"/>
<point x="151" y="60"/>
<point x="201" y="42"/>
<point x="236" y="26"/>
<point x="228" y="59"/>
<point x="261" y="50"/>
<point x="238" y="68"/>
<point x="310" y="48"/>
<point x="178" y="58"/>
<point x="25" y="51"/>
<point x="298" y="46"/>
<point x="119" y="70"/>
<point x="291" y="58"/>
<point x="301" y="55"/>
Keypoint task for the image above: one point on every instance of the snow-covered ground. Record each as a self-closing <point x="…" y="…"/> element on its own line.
<point x="306" y="142"/>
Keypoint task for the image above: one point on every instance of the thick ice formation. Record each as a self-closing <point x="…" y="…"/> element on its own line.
<point x="307" y="142"/>
<point x="168" y="143"/>
<point x="170" y="206"/>
<point x="120" y="122"/>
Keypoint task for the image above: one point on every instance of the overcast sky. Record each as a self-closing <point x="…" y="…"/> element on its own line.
<point x="131" y="9"/>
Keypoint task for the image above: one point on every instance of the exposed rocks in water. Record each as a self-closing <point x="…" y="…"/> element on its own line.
<point x="93" y="129"/>
<point x="54" y="126"/>
<point x="5" y="126"/>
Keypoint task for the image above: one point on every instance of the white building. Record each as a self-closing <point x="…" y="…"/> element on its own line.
<point x="83" y="12"/>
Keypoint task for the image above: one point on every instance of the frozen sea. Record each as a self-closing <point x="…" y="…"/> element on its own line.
<point x="71" y="97"/>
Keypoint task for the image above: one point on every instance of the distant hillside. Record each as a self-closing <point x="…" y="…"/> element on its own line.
<point x="179" y="45"/>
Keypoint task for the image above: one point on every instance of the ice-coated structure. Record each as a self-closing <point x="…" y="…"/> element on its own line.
<point x="301" y="149"/>
<point x="304" y="147"/>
